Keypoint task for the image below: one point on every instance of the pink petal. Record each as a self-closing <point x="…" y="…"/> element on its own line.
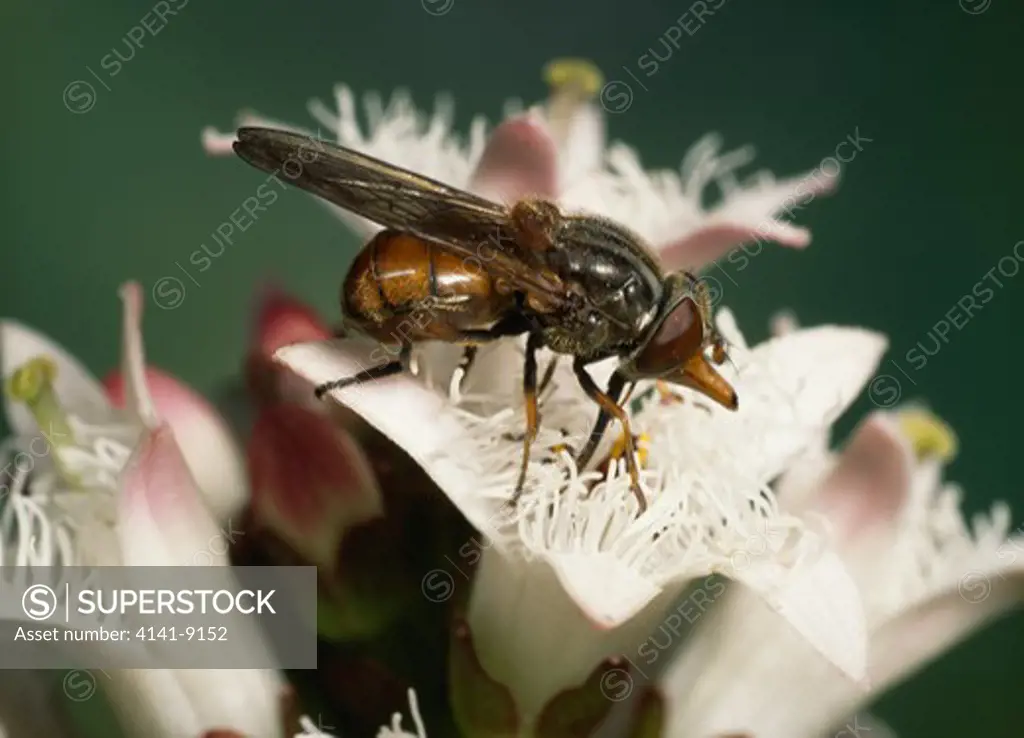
<point x="747" y="216"/>
<point x="759" y="203"/>
<point x="209" y="448"/>
<point x="870" y="483"/>
<point x="311" y="481"/>
<point x="520" y="160"/>
<point x="163" y="521"/>
<point x="156" y="485"/>
<point x="282" y="320"/>
<point x="711" y="241"/>
<point x="581" y="149"/>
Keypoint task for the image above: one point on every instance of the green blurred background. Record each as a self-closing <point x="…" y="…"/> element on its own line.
<point x="124" y="191"/>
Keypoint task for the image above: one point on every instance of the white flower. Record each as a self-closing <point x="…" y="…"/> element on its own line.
<point x="927" y="581"/>
<point x="572" y="576"/>
<point x="113" y="488"/>
<point x="95" y="411"/>
<point x="665" y="207"/>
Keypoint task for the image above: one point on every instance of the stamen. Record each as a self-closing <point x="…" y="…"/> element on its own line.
<point x="641" y="441"/>
<point x="29" y="534"/>
<point x="931" y="437"/>
<point x="573" y="82"/>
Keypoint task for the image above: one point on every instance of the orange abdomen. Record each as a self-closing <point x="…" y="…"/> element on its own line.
<point x="401" y="287"/>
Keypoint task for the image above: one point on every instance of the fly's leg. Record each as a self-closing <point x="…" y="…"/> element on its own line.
<point x="610" y="406"/>
<point x="532" y="414"/>
<point x="371" y="374"/>
<point x="615" y="387"/>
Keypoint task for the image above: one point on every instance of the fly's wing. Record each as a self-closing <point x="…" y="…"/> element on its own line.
<point x="463" y="223"/>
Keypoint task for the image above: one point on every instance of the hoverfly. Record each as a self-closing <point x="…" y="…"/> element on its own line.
<point x="579" y="285"/>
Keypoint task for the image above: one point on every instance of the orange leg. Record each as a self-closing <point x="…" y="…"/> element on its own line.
<point x="532" y="413"/>
<point x="610" y="406"/>
<point x="615" y="387"/>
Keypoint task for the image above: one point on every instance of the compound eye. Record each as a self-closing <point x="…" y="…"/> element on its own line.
<point x="677" y="339"/>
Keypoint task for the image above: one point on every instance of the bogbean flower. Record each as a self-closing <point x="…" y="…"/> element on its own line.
<point x="571" y="579"/>
<point x="927" y="580"/>
<point x="558" y="149"/>
<point x="572" y="565"/>
<point x="310" y="480"/>
<point x="96" y="484"/>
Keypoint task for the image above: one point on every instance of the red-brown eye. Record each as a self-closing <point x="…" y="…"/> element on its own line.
<point x="680" y="336"/>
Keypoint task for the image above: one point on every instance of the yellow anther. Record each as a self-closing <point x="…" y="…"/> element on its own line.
<point x="640" y="442"/>
<point x="578" y="76"/>
<point x="929" y="435"/>
<point x="32" y="380"/>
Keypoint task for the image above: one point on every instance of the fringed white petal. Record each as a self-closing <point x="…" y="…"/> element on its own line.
<point x="416" y="418"/>
<point x="735" y="675"/>
<point x="659" y="205"/>
<point x="940" y="580"/>
<point x="821" y="602"/>
<point x="761" y="203"/>
<point x="669" y="210"/>
<point x="400" y="134"/>
<point x="790" y="389"/>
<point x="926" y="579"/>
<point x="709" y="503"/>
